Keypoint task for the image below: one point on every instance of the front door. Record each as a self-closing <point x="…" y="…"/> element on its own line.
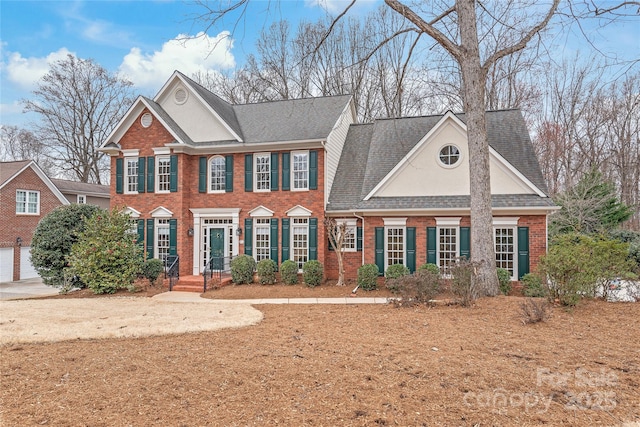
<point x="216" y="245"/>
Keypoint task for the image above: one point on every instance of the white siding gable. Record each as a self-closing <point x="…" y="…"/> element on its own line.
<point x="335" y="144"/>
<point x="421" y="173"/>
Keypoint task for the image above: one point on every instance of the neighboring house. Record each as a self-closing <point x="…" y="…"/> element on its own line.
<point x="27" y="195"/>
<point x="84" y="193"/>
<point x="204" y="178"/>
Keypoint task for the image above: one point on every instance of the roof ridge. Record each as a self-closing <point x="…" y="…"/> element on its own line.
<point x="290" y="100"/>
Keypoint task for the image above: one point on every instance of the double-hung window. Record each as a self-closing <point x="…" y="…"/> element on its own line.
<point x="300" y="241"/>
<point x="505" y="239"/>
<point x="27" y="202"/>
<point x="349" y="242"/>
<point x="131" y="175"/>
<point x="217" y="173"/>
<point x="262" y="175"/>
<point x="262" y="238"/>
<point x="448" y="243"/>
<point x="163" y="173"/>
<point x="394" y="241"/>
<point x="162" y="238"/>
<point x="300" y="170"/>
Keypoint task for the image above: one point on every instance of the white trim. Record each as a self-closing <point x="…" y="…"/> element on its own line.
<point x="125" y="174"/>
<point x="159" y="151"/>
<point x="248" y="148"/>
<point x="298" y="212"/>
<point x="26" y="202"/>
<point x="32" y="164"/>
<point x="505" y="221"/>
<point x="350" y="223"/>
<point x="132" y="212"/>
<point x="453" y="165"/>
<point x="209" y="174"/>
<point x="204" y="213"/>
<point x="448" y="221"/>
<point x="395" y="222"/>
<point x="156" y="173"/>
<point x="84" y="198"/>
<point x="161" y="212"/>
<point x="131" y="153"/>
<point x="255" y="172"/>
<point x="260" y="212"/>
<point x="291" y="170"/>
<point x="504" y="163"/>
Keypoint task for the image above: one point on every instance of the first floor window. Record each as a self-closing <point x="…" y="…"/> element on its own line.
<point x="447" y="246"/>
<point x="27" y="202"/>
<point x="505" y="249"/>
<point x="262" y="240"/>
<point x="162" y="239"/>
<point x="217" y="172"/>
<point x="163" y="171"/>
<point x="262" y="172"/>
<point x="300" y="241"/>
<point x="131" y="175"/>
<point x="395" y="245"/>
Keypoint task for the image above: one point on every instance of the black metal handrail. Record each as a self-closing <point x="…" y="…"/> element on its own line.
<point x="172" y="270"/>
<point x="216" y="267"/>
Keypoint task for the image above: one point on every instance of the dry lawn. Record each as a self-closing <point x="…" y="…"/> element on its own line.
<point x="342" y="365"/>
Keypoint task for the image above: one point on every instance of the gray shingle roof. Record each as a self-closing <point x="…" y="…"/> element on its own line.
<point x="9" y="169"/>
<point x="66" y="186"/>
<point x="380" y="145"/>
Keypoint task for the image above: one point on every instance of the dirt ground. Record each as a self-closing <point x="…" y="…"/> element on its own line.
<point x="342" y="365"/>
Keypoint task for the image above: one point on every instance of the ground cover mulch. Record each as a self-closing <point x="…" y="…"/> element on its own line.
<point x="343" y="365"/>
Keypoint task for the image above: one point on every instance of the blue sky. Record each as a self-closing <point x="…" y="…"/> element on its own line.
<point x="137" y="38"/>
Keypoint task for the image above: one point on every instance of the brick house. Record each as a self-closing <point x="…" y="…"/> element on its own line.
<point x="204" y="178"/>
<point x="27" y="195"/>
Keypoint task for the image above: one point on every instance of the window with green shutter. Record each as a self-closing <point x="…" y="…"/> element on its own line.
<point x="274" y="171"/>
<point x="465" y="242"/>
<point x="523" y="251"/>
<point x="432" y="242"/>
<point x="313" y="238"/>
<point x="202" y="174"/>
<point x="313" y="170"/>
<point x="151" y="174"/>
<point x="150" y="231"/>
<point x="173" y="237"/>
<point x="286" y="171"/>
<point x="273" y="241"/>
<point x="248" y="172"/>
<point x="173" y="179"/>
<point x="379" y="247"/>
<point x="285" y="239"/>
<point x="140" y="240"/>
<point x="411" y="249"/>
<point x="248" y="236"/>
<point x="119" y="175"/>
<point x="228" y="182"/>
<point x="142" y="163"/>
<point x="359" y="239"/>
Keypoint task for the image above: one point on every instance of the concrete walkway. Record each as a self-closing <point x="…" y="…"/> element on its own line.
<point x="29" y="288"/>
<point x="194" y="297"/>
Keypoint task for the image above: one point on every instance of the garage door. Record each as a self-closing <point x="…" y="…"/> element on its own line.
<point x="26" y="269"/>
<point x="6" y="264"/>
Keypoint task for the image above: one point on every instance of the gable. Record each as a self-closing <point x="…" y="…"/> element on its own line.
<point x="27" y="175"/>
<point x="421" y="172"/>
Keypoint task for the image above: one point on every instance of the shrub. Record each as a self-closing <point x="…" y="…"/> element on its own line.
<point x="534" y="310"/>
<point x="532" y="286"/>
<point x="289" y="272"/>
<point x="504" y="280"/>
<point x="368" y="277"/>
<point x="152" y="269"/>
<point x="52" y="241"/>
<point x="312" y="273"/>
<point x="395" y="271"/>
<point x="266" y="269"/>
<point x="430" y="267"/>
<point x="462" y="284"/>
<point x="106" y="256"/>
<point x="633" y="239"/>
<point x="417" y="288"/>
<point x="242" y="268"/>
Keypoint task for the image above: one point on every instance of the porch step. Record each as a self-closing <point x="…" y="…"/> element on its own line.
<point x="196" y="283"/>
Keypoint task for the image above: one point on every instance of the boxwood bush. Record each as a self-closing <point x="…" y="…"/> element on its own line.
<point x="312" y="273"/>
<point x="152" y="269"/>
<point x="430" y="267"/>
<point x="242" y="268"/>
<point x="289" y="272"/>
<point x="266" y="269"/>
<point x="368" y="277"/>
<point x="532" y="286"/>
<point x="395" y="271"/>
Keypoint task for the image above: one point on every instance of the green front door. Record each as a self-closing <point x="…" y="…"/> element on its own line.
<point x="216" y="244"/>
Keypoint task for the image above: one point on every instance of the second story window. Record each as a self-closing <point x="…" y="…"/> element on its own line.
<point x="27" y="202"/>
<point x="262" y="170"/>
<point x="217" y="172"/>
<point x="300" y="170"/>
<point x="131" y="175"/>
<point x="164" y="174"/>
<point x="81" y="199"/>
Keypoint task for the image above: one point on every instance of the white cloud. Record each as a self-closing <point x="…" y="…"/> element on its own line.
<point x="186" y="54"/>
<point x="335" y="7"/>
<point x="25" y="72"/>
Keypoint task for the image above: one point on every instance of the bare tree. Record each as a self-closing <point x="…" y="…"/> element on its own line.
<point x="79" y="103"/>
<point x="22" y="144"/>
<point x="337" y="232"/>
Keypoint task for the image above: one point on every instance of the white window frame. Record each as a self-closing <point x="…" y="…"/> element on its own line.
<point x="222" y="180"/>
<point x="294" y="187"/>
<point x="447" y="223"/>
<point x="163" y="186"/>
<point x="26" y="202"/>
<point x="351" y="234"/>
<point x="256" y="181"/>
<point x="261" y="224"/>
<point x="507" y="223"/>
<point x="292" y="249"/>
<point x="81" y="199"/>
<point x="397" y="224"/>
<point x="161" y="224"/>
<point x="130" y="180"/>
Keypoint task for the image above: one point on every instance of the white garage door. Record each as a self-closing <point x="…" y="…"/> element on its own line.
<point x="6" y="264"/>
<point x="26" y="269"/>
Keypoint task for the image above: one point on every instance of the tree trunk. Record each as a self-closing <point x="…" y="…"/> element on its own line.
<point x="473" y="87"/>
<point x="340" y="269"/>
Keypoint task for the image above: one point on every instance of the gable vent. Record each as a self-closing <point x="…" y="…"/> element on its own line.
<point x="180" y="96"/>
<point x="146" y="120"/>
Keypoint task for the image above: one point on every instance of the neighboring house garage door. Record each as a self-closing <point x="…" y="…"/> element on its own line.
<point x="26" y="269"/>
<point x="6" y="264"/>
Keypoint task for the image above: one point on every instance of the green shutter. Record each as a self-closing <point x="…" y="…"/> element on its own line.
<point x="248" y="236"/>
<point x="119" y="175"/>
<point x="142" y="162"/>
<point x="359" y="239"/>
<point x="313" y="238"/>
<point x="286" y="171"/>
<point x="465" y="242"/>
<point x="140" y="240"/>
<point x="274" y="240"/>
<point x="173" y="177"/>
<point x="274" y="171"/>
<point x="150" y="238"/>
<point x="523" y="251"/>
<point x="202" y="174"/>
<point x="431" y="245"/>
<point x="411" y="249"/>
<point x="248" y="172"/>
<point x="151" y="174"/>
<point x="313" y="170"/>
<point x="228" y="170"/>
<point x="285" y="239"/>
<point x="173" y="237"/>
<point x="380" y="250"/>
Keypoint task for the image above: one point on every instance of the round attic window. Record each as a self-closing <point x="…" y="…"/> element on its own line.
<point x="180" y="96"/>
<point x="146" y="120"/>
<point x="449" y="155"/>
